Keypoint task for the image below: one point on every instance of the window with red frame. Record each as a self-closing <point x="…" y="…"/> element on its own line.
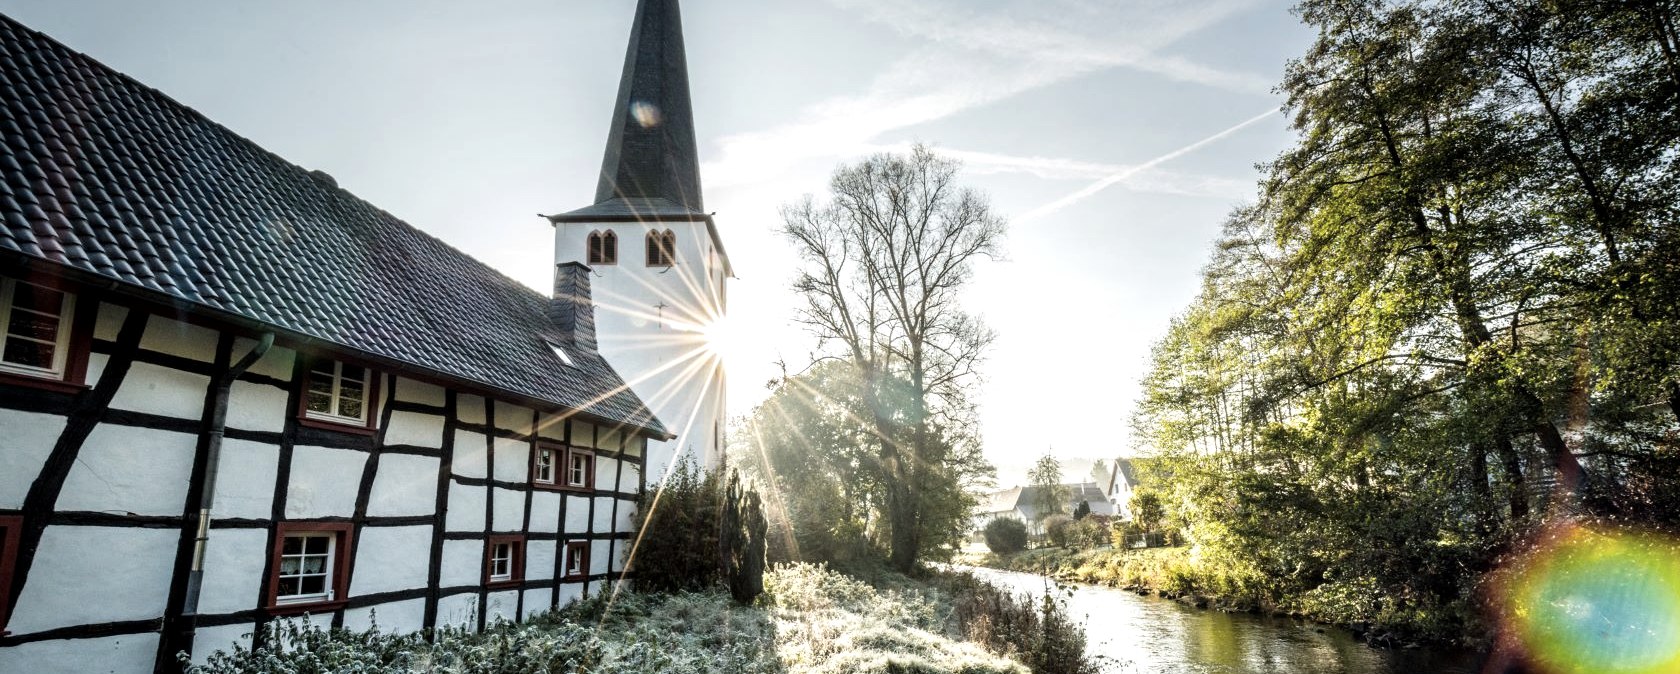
<point x="311" y="565"/>
<point x="577" y="561"/>
<point x="579" y="469"/>
<point x="504" y="560"/>
<point x="545" y="465"/>
<point x="340" y="394"/>
<point x="11" y="529"/>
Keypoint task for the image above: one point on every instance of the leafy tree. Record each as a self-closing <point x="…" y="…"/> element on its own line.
<point x="884" y="260"/>
<point x="1147" y="509"/>
<point x="1050" y="496"/>
<point x="1061" y="530"/>
<point x="1005" y="536"/>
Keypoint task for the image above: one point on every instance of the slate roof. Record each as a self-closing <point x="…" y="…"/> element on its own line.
<point x="115" y="180"/>
<point x="650" y="148"/>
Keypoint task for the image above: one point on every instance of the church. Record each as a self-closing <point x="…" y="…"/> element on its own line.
<point x="233" y="393"/>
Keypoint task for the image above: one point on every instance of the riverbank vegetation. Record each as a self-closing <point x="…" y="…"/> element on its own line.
<point x="1452" y="316"/>
<point x="809" y="619"/>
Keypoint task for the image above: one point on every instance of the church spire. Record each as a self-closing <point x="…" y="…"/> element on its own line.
<point x="651" y="150"/>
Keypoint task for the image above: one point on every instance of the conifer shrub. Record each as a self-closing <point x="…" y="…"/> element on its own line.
<point x="1005" y="536"/>
<point x="698" y="531"/>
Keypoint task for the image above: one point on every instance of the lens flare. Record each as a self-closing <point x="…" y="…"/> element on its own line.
<point x="1599" y="602"/>
<point x="645" y="114"/>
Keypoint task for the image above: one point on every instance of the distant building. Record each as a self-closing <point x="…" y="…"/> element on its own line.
<point x="1122" y="481"/>
<point x="1021" y="504"/>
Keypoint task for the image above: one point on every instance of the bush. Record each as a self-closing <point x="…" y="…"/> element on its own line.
<point x="699" y="531"/>
<point x="1059" y="529"/>
<point x="1039" y="632"/>
<point x="1005" y="536"/>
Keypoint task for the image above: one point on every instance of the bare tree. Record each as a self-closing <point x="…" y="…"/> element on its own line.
<point x="884" y="261"/>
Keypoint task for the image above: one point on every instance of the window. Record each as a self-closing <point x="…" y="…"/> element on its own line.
<point x="311" y="565"/>
<point x="577" y="560"/>
<point x="560" y="352"/>
<point x="11" y="529"/>
<point x="661" y="248"/>
<point x="603" y="247"/>
<point x="504" y="560"/>
<point x="340" y="393"/>
<point x="545" y="465"/>
<point x="34" y="329"/>
<point x="580" y="468"/>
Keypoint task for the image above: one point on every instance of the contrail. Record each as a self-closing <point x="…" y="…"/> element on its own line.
<point x="1122" y="176"/>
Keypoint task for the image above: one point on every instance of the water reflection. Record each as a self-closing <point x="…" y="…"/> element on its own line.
<point x="1146" y="634"/>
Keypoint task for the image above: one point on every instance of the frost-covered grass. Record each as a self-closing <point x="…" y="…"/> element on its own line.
<point x="810" y="619"/>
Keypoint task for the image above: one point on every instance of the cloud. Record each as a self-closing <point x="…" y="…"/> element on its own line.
<point x="1153" y="179"/>
<point x="971" y="58"/>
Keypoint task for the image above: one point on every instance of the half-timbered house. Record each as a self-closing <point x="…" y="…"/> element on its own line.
<point x="233" y="393"/>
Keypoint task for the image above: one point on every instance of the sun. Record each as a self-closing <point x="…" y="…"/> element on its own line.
<point x="723" y="338"/>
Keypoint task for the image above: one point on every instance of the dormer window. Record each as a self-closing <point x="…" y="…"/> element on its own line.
<point x="661" y="248"/>
<point x="339" y="394"/>
<point x="560" y="352"/>
<point x="603" y="248"/>
<point x="34" y="329"/>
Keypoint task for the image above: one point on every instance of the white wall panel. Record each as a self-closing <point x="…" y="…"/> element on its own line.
<point x="603" y="514"/>
<point x="502" y="607"/>
<point x="463" y="563"/>
<point x="606" y="471"/>
<point x="137" y="470"/>
<point x="324" y="482"/>
<point x="96" y="367"/>
<point x="513" y="417"/>
<point x="539" y="559"/>
<point x="258" y="407"/>
<point x="599" y="557"/>
<point x="176" y="338"/>
<point x="577" y="514"/>
<point x="458" y="610"/>
<point x="470" y="455"/>
<point x="626" y="516"/>
<point x="545" y="512"/>
<point x="570" y="592"/>
<point x="245" y="481"/>
<point x="154" y="389"/>
<point x="404" y="484"/>
<point x="513" y="460"/>
<point x="630" y="480"/>
<point x="552" y="427"/>
<point x="411" y="391"/>
<point x="399" y="617"/>
<point x="390" y="559"/>
<point x="209" y="640"/>
<point x="583" y="435"/>
<point x="233" y="568"/>
<point x="24" y="445"/>
<point x="96" y="575"/>
<point x="277" y="363"/>
<point x="416" y="429"/>
<point x="128" y="653"/>
<point x="110" y="321"/>
<point x="469" y="408"/>
<point x="465" y="511"/>
<point x="537" y="603"/>
<point x="510" y="510"/>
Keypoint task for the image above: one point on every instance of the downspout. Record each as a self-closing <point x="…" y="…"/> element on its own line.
<point x="212" y="462"/>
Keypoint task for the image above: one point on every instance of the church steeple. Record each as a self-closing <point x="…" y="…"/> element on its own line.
<point x="651" y="152"/>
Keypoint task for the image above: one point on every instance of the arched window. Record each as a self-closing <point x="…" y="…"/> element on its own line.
<point x="603" y="247"/>
<point x="661" y="248"/>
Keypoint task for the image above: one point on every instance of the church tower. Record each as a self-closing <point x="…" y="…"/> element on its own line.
<point x="658" y="265"/>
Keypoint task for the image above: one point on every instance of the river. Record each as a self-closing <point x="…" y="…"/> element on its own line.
<point x="1139" y="634"/>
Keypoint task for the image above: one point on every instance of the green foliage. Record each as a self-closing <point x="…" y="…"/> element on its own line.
<point x="1006" y="535"/>
<point x="1058" y="530"/>
<point x="1050" y="496"/>
<point x="699" y="531"/>
<point x="1081" y="509"/>
<point x="1040" y="633"/>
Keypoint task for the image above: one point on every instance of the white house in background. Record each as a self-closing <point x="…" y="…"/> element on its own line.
<point x="1021" y="504"/>
<point x="232" y="393"/>
<point x="1122" y="481"/>
<point x="658" y="264"/>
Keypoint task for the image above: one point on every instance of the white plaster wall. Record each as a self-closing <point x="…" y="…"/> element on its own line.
<point x="26" y="441"/>
<point x="570" y="592"/>
<point x="128" y="653"/>
<point x="233" y="570"/>
<point x="552" y="427"/>
<point x="96" y="575"/>
<point x="463" y="563"/>
<point x="630" y="480"/>
<point x="396" y="617"/>
<point x="577" y="514"/>
<point x="277" y="363"/>
<point x="404" y="484"/>
<point x="324" y="482"/>
<point x="257" y="407"/>
<point x="409" y="390"/>
<point x="209" y="640"/>
<point x="154" y="389"/>
<point x="509" y="514"/>
<point x="619" y="553"/>
<point x="539" y="559"/>
<point x="594" y="588"/>
<point x="513" y="460"/>
<point x="583" y="435"/>
<point x="599" y="557"/>
<point x="245" y="481"/>
<point x="537" y="603"/>
<point x="390" y="559"/>
<point x="123" y="469"/>
<point x="96" y="367"/>
<point x="176" y="338"/>
<point x="465" y="511"/>
<point x="545" y="512"/>
<point x="603" y="514"/>
<point x="412" y="428"/>
<point x="470" y="455"/>
<point x="626" y="516"/>
<point x="458" y="609"/>
<point x="469" y="408"/>
<point x="502" y="606"/>
<point x="514" y="418"/>
<point x="606" y="472"/>
<point x="110" y="321"/>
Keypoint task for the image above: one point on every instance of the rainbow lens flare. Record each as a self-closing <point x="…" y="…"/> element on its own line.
<point x="1598" y="602"/>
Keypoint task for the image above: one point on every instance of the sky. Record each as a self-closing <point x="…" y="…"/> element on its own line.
<point x="1113" y="135"/>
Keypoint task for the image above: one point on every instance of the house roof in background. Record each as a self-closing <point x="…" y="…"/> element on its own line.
<point x="116" y="181"/>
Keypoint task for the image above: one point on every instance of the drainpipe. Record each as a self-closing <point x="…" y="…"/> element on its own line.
<point x="206" y="499"/>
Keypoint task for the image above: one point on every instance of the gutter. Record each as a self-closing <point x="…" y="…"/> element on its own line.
<point x="212" y="464"/>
